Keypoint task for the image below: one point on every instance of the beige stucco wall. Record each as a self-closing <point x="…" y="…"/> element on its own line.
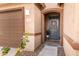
<point x="69" y="51"/>
<point x="71" y="22"/>
<point x="29" y="26"/>
<point x="77" y="21"/>
<point x="37" y="26"/>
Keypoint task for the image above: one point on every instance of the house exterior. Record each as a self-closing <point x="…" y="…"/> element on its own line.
<point x="32" y="22"/>
<point x="33" y="16"/>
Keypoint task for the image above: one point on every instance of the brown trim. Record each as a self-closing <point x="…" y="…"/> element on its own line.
<point x="23" y="18"/>
<point x="61" y="27"/>
<point x="35" y="34"/>
<point x="11" y="9"/>
<point x="41" y="28"/>
<point x="49" y="10"/>
<point x="73" y="44"/>
<point x="60" y="4"/>
<point x="4" y="11"/>
<point x="41" y="6"/>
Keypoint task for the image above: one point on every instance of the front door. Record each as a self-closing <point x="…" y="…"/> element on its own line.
<point x="53" y="28"/>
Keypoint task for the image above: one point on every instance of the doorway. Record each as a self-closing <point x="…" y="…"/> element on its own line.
<point x="52" y="26"/>
<point x="44" y="23"/>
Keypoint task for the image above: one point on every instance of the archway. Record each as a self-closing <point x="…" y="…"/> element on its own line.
<point x="51" y="10"/>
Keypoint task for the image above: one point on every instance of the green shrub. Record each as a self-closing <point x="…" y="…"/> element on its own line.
<point x="23" y="44"/>
<point x="24" y="41"/>
<point x="5" y="50"/>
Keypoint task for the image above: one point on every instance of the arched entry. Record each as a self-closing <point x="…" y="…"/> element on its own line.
<point x="49" y="11"/>
<point x="52" y="26"/>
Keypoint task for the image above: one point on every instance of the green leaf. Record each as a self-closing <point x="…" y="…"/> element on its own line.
<point x="5" y="50"/>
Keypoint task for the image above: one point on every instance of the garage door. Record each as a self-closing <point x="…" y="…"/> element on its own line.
<point x="11" y="27"/>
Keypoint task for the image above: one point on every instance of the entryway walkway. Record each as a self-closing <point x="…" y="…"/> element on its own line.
<point x="48" y="51"/>
<point x="49" y="48"/>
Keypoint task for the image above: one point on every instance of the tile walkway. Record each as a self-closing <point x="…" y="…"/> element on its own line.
<point x="48" y="51"/>
<point x="49" y="48"/>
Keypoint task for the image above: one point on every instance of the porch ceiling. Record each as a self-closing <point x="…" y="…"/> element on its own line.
<point x="51" y="4"/>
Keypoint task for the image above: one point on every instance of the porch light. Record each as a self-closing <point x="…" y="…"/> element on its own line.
<point x="27" y="12"/>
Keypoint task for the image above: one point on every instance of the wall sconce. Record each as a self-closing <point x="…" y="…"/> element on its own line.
<point x="27" y="12"/>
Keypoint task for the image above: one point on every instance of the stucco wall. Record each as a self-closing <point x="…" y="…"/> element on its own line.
<point x="71" y="22"/>
<point x="69" y="51"/>
<point x="37" y="26"/>
<point x="29" y="26"/>
<point x="77" y="21"/>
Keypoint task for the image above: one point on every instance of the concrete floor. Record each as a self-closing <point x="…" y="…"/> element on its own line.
<point x="48" y="51"/>
<point x="60" y="51"/>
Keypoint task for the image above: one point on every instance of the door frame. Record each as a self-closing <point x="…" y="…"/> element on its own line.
<point x="50" y="10"/>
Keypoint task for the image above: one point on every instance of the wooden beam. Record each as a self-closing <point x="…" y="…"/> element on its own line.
<point x="41" y="6"/>
<point x="61" y="4"/>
